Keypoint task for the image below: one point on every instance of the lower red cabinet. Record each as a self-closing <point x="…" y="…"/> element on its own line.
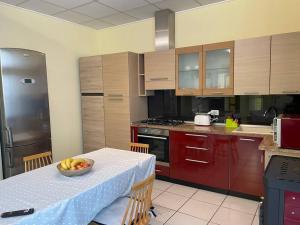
<point x="162" y="170"/>
<point x="246" y="166"/>
<point x="200" y="158"/>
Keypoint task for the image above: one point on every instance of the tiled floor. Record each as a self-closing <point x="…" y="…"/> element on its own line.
<point x="180" y="205"/>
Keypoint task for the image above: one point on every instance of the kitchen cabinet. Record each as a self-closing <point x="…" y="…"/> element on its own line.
<point x="92" y="123"/>
<point x="200" y="158"/>
<point x="189" y="71"/>
<point x="160" y="70"/>
<point x="252" y="66"/>
<point x="285" y="66"/>
<point x="122" y="104"/>
<point x="92" y="110"/>
<point x="218" y="69"/>
<point x="246" y="166"/>
<point x="90" y="70"/>
<point x="162" y="170"/>
<point x="291" y="208"/>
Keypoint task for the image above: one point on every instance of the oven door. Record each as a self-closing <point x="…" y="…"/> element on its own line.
<point x="158" y="145"/>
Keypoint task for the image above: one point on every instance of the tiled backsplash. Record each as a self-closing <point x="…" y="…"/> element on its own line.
<point x="250" y="109"/>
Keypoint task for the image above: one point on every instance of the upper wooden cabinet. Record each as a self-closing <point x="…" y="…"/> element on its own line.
<point x="218" y="69"/>
<point x="90" y="69"/>
<point x="115" y="74"/>
<point x="189" y="71"/>
<point x="160" y="70"/>
<point x="252" y="66"/>
<point x="285" y="64"/>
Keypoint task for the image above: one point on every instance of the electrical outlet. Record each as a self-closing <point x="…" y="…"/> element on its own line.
<point x="214" y="112"/>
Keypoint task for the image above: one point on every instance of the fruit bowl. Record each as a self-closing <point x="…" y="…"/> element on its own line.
<point x="74" y="171"/>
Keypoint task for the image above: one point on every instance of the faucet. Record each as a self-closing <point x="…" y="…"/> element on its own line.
<point x="272" y="108"/>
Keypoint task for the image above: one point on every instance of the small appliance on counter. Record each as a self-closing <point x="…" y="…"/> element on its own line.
<point x="281" y="205"/>
<point x="205" y="119"/>
<point x="286" y="131"/>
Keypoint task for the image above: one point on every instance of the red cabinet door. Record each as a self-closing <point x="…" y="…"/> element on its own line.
<point x="200" y="158"/>
<point x="162" y="170"/>
<point x="246" y="166"/>
<point x="134" y="137"/>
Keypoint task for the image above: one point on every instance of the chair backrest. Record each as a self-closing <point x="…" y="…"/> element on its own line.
<point x="36" y="161"/>
<point x="139" y="147"/>
<point x="137" y="212"/>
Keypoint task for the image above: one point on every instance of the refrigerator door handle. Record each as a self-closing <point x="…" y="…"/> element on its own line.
<point x="9" y="138"/>
<point x="10" y="154"/>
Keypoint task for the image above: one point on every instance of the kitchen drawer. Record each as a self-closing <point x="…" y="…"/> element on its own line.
<point x="292" y="213"/>
<point x="196" y="140"/>
<point x="292" y="198"/>
<point x="162" y="170"/>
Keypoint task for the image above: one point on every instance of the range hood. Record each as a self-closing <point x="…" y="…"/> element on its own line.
<point x="164" y="30"/>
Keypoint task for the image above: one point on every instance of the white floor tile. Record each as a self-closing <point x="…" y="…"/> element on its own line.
<point x="225" y="216"/>
<point x="163" y="214"/>
<point x="201" y="210"/>
<point x="161" y="185"/>
<point x="213" y="223"/>
<point x="155" y="193"/>
<point x="240" y="204"/>
<point x="255" y="221"/>
<point x="209" y="197"/>
<point x="182" y="190"/>
<point x="170" y="200"/>
<point x="183" y="219"/>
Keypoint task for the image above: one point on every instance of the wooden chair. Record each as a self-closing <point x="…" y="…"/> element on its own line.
<point x="130" y="211"/>
<point x="139" y="147"/>
<point x="36" y="161"/>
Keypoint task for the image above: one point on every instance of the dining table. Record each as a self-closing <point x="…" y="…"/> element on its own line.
<point x="61" y="200"/>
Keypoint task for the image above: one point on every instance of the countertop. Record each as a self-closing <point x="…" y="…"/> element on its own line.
<point x="267" y="143"/>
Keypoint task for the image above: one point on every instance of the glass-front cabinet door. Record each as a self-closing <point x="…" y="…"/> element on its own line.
<point x="218" y="69"/>
<point x="189" y="71"/>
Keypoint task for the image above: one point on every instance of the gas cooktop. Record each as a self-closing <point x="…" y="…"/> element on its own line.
<point x="165" y="122"/>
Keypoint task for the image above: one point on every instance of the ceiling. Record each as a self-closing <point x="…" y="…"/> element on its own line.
<point x="100" y="14"/>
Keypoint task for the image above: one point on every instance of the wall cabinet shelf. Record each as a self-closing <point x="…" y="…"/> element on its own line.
<point x="141" y="77"/>
<point x="189" y="71"/>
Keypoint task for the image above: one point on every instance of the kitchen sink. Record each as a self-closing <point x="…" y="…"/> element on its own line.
<point x="254" y="129"/>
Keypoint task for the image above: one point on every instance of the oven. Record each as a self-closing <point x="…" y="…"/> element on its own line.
<point x="158" y="140"/>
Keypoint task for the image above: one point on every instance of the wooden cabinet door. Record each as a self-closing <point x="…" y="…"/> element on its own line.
<point x="160" y="70"/>
<point x="203" y="160"/>
<point x="117" y="122"/>
<point x="218" y="69"/>
<point x="285" y="66"/>
<point x="116" y="74"/>
<point x="92" y="123"/>
<point x="189" y="71"/>
<point x="247" y="166"/>
<point x="90" y="70"/>
<point x="252" y="66"/>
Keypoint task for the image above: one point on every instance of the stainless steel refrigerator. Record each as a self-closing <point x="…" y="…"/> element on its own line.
<point x="25" y="120"/>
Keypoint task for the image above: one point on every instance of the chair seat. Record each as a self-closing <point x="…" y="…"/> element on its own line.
<point x="113" y="214"/>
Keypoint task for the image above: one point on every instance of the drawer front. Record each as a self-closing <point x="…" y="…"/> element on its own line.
<point x="197" y="140"/>
<point x="292" y="198"/>
<point x="292" y="213"/>
<point x="162" y="170"/>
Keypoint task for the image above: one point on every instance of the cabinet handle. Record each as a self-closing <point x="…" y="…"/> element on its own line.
<point x="157" y="170"/>
<point x="247" y="139"/>
<point x="115" y="99"/>
<point x="159" y="78"/>
<point x="197" y="135"/>
<point x="251" y="93"/>
<point x="290" y="92"/>
<point x="197" y="161"/>
<point x="202" y="149"/>
<point x="218" y="93"/>
<point x="115" y="95"/>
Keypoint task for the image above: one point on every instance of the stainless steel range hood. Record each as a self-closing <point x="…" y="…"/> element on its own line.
<point x="164" y="29"/>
